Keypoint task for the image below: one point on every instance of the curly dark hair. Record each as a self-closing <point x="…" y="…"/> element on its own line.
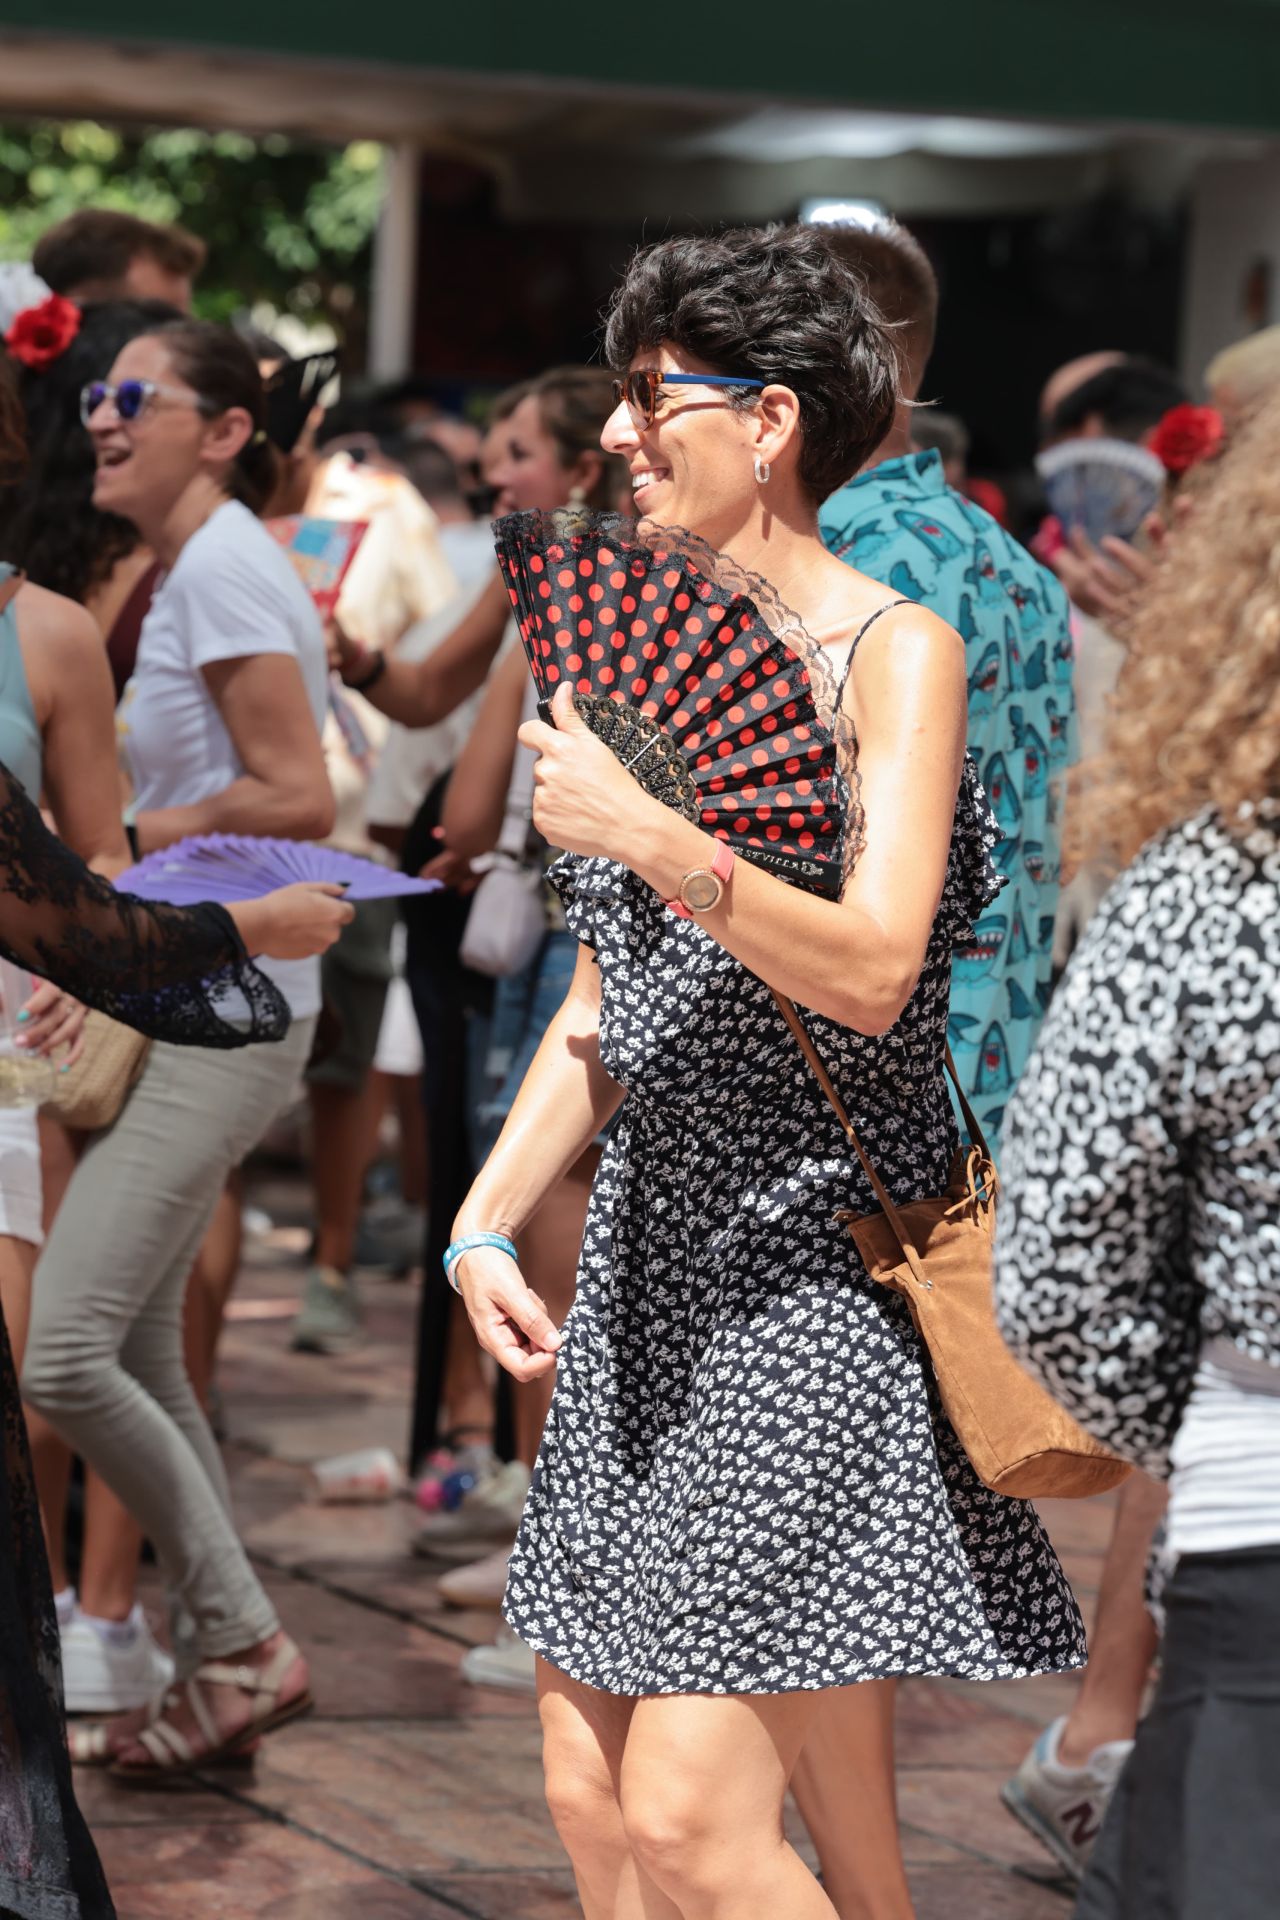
<point x="48" y="524"/>
<point x="778" y="304"/>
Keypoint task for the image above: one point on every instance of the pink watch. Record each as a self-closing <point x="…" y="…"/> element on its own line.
<point x="703" y="887"/>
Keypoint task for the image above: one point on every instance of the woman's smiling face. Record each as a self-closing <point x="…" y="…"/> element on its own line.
<point x="522" y="463"/>
<point x="144" y="464"/>
<point x="691" y="466"/>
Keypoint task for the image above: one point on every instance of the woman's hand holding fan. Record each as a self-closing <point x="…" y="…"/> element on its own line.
<point x="582" y="794"/>
<point x="293" y="923"/>
<point x="693" y="675"/>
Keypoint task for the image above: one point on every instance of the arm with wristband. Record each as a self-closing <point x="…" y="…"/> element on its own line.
<point x="420" y="693"/>
<point x="565" y="1100"/>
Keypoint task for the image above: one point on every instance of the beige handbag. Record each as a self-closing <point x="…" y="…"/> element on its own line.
<point x="89" y="1095"/>
<point x="937" y="1253"/>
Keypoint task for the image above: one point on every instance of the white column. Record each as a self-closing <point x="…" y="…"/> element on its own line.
<point x="395" y="264"/>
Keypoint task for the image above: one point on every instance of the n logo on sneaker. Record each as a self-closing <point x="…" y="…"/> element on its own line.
<point x="1081" y="1822"/>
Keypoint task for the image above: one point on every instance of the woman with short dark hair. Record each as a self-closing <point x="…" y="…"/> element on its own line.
<point x="747" y="1492"/>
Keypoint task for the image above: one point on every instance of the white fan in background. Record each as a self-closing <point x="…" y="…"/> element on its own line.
<point x="1101" y="486"/>
<point x="229" y="866"/>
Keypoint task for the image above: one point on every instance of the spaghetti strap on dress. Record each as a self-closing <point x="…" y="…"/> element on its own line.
<point x="747" y="1483"/>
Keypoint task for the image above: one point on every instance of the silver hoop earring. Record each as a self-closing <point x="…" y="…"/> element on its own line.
<point x="762" y="470"/>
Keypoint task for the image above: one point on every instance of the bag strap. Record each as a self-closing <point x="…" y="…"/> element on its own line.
<point x="820" y="1074"/>
<point x="9" y="588"/>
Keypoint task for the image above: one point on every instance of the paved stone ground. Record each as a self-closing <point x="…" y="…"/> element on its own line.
<point x="409" y="1796"/>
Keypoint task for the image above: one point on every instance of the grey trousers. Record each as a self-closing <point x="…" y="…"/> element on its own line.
<point x="104" y="1357"/>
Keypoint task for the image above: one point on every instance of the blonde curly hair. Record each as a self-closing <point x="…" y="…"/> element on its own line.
<point x="1195" y="718"/>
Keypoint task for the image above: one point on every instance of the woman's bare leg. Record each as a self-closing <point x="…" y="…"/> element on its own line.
<point x="50" y="1454"/>
<point x="1122" y="1642"/>
<point x="17" y="1264"/>
<point x="704" y="1778"/>
<point x="844" y="1787"/>
<point x="584" y="1733"/>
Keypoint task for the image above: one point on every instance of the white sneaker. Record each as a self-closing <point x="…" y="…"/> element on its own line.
<point x="481" y="1584"/>
<point x="102" y="1674"/>
<point x="507" y="1664"/>
<point x="1062" y="1806"/>
<point x="489" y="1513"/>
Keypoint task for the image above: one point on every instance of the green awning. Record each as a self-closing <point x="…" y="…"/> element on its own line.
<point x="1168" y="63"/>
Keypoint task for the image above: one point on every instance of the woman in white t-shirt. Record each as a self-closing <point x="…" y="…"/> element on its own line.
<point x="221" y="725"/>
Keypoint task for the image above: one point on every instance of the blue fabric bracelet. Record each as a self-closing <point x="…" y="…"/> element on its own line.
<point x="468" y="1242"/>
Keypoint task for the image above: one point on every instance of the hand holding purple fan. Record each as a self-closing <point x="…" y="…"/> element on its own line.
<point x="228" y="867"/>
<point x="675" y="666"/>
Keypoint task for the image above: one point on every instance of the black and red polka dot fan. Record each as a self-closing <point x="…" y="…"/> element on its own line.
<point x="675" y="666"/>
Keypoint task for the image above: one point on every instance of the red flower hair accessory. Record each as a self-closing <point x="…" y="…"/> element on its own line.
<point x="1186" y="436"/>
<point x="40" y="335"/>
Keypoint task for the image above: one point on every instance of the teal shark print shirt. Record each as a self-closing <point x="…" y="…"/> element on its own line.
<point x="901" y="523"/>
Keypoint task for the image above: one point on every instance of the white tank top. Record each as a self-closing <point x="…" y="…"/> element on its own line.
<point x="1224" y="1493"/>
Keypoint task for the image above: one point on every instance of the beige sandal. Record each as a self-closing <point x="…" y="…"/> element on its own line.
<point x="90" y="1744"/>
<point x="170" y="1753"/>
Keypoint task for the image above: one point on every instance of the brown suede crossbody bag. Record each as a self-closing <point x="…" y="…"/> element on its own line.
<point x="937" y="1253"/>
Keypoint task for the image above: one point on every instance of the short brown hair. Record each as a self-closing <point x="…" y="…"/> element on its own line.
<point x="899" y="278"/>
<point x="94" y="248"/>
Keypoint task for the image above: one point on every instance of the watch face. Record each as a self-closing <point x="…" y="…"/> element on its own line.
<point x="701" y="890"/>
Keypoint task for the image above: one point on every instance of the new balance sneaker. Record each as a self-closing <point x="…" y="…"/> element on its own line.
<point x="329" y="1318"/>
<point x="1064" y="1807"/>
<point x="112" y="1666"/>
<point x="508" y="1664"/>
<point x="482" y="1583"/>
<point x="488" y="1514"/>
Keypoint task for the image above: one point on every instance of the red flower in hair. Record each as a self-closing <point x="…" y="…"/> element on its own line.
<point x="1186" y="436"/>
<point x="40" y="335"/>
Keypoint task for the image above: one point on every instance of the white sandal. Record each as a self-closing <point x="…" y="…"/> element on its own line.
<point x="170" y="1753"/>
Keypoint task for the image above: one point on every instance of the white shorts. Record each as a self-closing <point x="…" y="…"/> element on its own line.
<point x="21" y="1188"/>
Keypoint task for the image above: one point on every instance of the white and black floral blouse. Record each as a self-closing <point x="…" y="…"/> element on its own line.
<point x="1141" y="1153"/>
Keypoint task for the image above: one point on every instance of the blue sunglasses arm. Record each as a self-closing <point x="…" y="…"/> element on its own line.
<point x="709" y="380"/>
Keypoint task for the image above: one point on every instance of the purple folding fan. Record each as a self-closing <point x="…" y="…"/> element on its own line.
<point x="234" y="866"/>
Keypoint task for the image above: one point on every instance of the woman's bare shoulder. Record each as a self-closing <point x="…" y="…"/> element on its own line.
<point x="60" y="627"/>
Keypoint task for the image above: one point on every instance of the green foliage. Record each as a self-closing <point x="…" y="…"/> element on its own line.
<point x="285" y="222"/>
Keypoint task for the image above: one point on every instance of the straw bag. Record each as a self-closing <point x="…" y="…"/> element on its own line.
<point x="90" y="1094"/>
<point x="937" y="1254"/>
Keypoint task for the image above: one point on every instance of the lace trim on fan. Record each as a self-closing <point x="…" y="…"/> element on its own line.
<point x="728" y="575"/>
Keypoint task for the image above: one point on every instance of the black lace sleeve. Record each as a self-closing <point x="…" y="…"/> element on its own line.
<point x="176" y="973"/>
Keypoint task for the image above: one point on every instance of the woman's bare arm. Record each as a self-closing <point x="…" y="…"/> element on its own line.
<point x="856" y="961"/>
<point x="476" y="801"/>
<point x="420" y="693"/>
<point x="74" y="702"/>
<point x="565" y="1099"/>
<point x="284" y="789"/>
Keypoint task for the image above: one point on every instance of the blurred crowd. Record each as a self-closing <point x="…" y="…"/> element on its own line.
<point x="165" y="671"/>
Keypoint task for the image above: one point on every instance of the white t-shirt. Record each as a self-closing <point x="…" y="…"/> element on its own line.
<point x="232" y="592"/>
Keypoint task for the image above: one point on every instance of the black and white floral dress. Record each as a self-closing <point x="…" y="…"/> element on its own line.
<point x="746" y="1484"/>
